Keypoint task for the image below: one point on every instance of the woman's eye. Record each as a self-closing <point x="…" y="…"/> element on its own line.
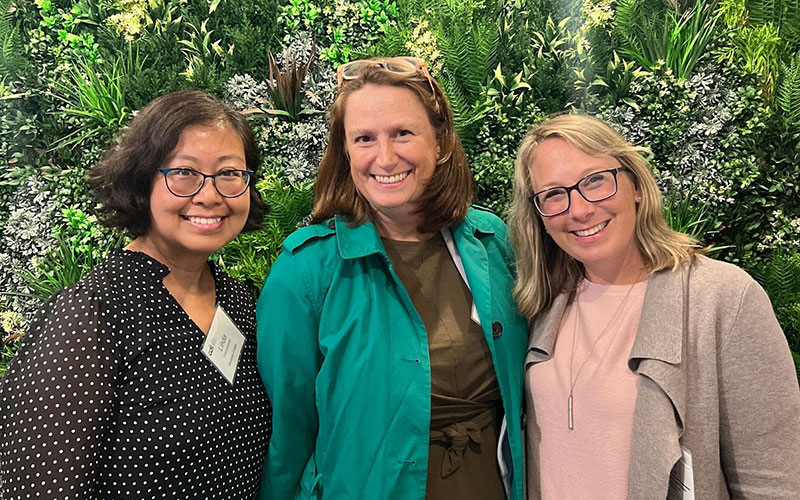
<point x="228" y="173"/>
<point x="403" y="132"/>
<point x="183" y="172"/>
<point x="595" y="179"/>
<point x="553" y="195"/>
<point x="363" y="138"/>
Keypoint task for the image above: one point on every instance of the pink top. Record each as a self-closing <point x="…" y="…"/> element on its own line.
<point x="592" y="459"/>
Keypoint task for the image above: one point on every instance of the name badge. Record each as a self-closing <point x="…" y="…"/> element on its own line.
<point x="223" y="344"/>
<point x="681" y="479"/>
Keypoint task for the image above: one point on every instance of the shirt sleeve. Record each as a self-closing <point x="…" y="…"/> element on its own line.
<point x="56" y="400"/>
<point x="289" y="360"/>
<point x="759" y="405"/>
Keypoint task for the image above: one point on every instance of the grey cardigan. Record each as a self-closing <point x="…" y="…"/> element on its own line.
<point x="715" y="377"/>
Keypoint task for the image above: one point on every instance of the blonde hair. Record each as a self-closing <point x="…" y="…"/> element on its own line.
<point x="543" y="269"/>
<point x="448" y="193"/>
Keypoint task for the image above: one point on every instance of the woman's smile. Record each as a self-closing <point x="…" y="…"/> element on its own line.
<point x="393" y="179"/>
<point x="585" y="233"/>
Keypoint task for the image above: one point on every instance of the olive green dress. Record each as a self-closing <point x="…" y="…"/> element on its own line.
<point x="466" y="408"/>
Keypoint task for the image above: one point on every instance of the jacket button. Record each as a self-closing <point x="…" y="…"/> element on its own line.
<point x="332" y="224"/>
<point x="497" y="329"/>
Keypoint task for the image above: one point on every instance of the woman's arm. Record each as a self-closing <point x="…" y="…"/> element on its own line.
<point x="56" y="400"/>
<point x="759" y="404"/>
<point x="288" y="360"/>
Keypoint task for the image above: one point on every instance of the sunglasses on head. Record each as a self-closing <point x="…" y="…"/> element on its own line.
<point x="402" y="66"/>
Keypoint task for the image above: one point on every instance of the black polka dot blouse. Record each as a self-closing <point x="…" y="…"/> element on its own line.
<point x="111" y="396"/>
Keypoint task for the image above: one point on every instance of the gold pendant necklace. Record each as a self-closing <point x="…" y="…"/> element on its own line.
<point x="573" y="381"/>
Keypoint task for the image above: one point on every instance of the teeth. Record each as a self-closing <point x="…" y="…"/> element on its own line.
<point x="204" y="220"/>
<point x="391" y="179"/>
<point x="592" y="230"/>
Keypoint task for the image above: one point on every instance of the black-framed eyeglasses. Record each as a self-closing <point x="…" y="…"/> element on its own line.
<point x="597" y="186"/>
<point x="186" y="182"/>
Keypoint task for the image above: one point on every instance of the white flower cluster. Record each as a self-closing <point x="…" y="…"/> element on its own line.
<point x="26" y="238"/>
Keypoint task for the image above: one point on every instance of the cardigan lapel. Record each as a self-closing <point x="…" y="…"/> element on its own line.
<point x="545" y="330"/>
<point x="660" y="409"/>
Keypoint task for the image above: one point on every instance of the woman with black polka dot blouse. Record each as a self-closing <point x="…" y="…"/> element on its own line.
<point x="140" y="381"/>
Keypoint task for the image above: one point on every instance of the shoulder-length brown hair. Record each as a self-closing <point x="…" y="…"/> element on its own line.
<point x="448" y="194"/>
<point x="543" y="269"/>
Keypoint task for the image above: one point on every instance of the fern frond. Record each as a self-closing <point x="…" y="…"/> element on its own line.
<point x="780" y="277"/>
<point x="391" y="44"/>
<point x="631" y="24"/>
<point x="626" y="16"/>
<point x="470" y="46"/>
<point x="764" y="11"/>
<point x="13" y="62"/>
<point x="789" y="94"/>
<point x="790" y="26"/>
<point x="461" y="106"/>
<point x="289" y="206"/>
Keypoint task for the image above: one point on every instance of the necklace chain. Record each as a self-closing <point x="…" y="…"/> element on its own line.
<point x="606" y="329"/>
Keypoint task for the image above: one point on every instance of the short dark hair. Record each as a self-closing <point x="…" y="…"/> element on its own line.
<point x="123" y="179"/>
<point x="448" y="194"/>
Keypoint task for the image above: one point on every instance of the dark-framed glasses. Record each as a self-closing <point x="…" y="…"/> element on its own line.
<point x="597" y="186"/>
<point x="185" y="182"/>
<point x="403" y="66"/>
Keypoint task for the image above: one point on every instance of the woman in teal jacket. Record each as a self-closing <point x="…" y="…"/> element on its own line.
<point x="388" y="339"/>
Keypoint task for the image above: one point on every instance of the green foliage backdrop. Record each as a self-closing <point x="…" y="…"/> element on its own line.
<point x="712" y="87"/>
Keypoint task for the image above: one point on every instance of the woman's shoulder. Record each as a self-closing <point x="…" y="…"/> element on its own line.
<point x="232" y="287"/>
<point x="119" y="269"/>
<point x="713" y="285"/>
<point x="712" y="273"/>
<point x="481" y="220"/>
<point x="91" y="297"/>
<point x="314" y="238"/>
<point x="479" y="215"/>
<point x="308" y="253"/>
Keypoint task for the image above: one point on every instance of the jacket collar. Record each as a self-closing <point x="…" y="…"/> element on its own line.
<point x="657" y="350"/>
<point x="660" y="333"/>
<point x="362" y="240"/>
<point x="545" y="329"/>
<point x="357" y="241"/>
<point x="473" y="226"/>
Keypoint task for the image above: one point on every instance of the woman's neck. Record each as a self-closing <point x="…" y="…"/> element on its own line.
<point x="189" y="281"/>
<point x="630" y="270"/>
<point x="188" y="274"/>
<point x="400" y="230"/>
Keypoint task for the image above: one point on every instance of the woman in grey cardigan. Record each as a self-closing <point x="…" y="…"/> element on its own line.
<point x="652" y="371"/>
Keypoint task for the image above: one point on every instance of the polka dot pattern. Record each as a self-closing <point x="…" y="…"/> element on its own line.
<point x="111" y="397"/>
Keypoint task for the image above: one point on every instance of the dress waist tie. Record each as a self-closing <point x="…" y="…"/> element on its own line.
<point x="457" y="437"/>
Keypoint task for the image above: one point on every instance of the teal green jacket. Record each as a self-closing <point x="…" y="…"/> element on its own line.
<point x="344" y="357"/>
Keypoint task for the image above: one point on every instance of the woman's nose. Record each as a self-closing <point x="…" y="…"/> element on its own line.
<point x="208" y="192"/>
<point x="387" y="156"/>
<point x="579" y="208"/>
